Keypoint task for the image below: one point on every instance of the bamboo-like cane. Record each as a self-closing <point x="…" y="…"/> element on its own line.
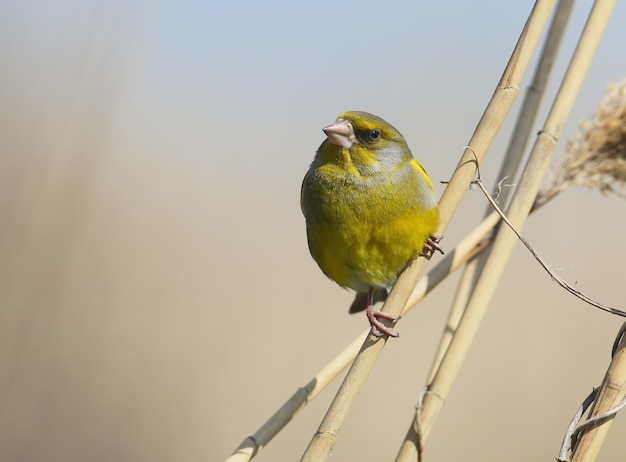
<point x="252" y="445"/>
<point x="466" y="249"/>
<point x="521" y="204"/>
<point x="611" y="393"/>
<point x="325" y="438"/>
<point x="510" y="165"/>
<point x="595" y="158"/>
<point x="599" y="146"/>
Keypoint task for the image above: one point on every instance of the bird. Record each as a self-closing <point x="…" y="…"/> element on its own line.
<point x="369" y="208"/>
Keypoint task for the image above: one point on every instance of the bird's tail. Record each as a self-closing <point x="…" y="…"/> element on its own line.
<point x="360" y="300"/>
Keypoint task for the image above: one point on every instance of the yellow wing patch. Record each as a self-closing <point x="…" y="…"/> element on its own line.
<point x="416" y="165"/>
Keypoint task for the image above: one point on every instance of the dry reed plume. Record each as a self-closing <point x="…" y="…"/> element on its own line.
<point x="596" y="156"/>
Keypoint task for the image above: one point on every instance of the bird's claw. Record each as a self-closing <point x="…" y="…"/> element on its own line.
<point x="378" y="328"/>
<point x="432" y="245"/>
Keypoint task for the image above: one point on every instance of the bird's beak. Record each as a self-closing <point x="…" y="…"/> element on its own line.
<point x="341" y="133"/>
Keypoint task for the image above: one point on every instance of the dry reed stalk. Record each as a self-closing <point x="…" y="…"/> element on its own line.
<point x="500" y="104"/>
<point x="596" y="158"/>
<point x="252" y="445"/>
<point x="453" y="260"/>
<point x="610" y="117"/>
<point x="466" y="249"/>
<point x="611" y="393"/>
<point x="520" y="207"/>
<point x="510" y="165"/>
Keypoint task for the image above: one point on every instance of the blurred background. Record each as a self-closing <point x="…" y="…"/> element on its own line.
<point x="157" y="298"/>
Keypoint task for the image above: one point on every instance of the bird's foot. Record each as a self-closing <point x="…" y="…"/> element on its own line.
<point x="431" y="246"/>
<point x="378" y="328"/>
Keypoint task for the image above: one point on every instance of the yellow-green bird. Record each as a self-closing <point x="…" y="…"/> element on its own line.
<point x="370" y="209"/>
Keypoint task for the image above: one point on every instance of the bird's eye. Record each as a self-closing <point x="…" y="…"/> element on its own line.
<point x="374" y="134"/>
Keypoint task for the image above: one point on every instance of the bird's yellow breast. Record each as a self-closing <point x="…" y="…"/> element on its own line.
<point x="362" y="230"/>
